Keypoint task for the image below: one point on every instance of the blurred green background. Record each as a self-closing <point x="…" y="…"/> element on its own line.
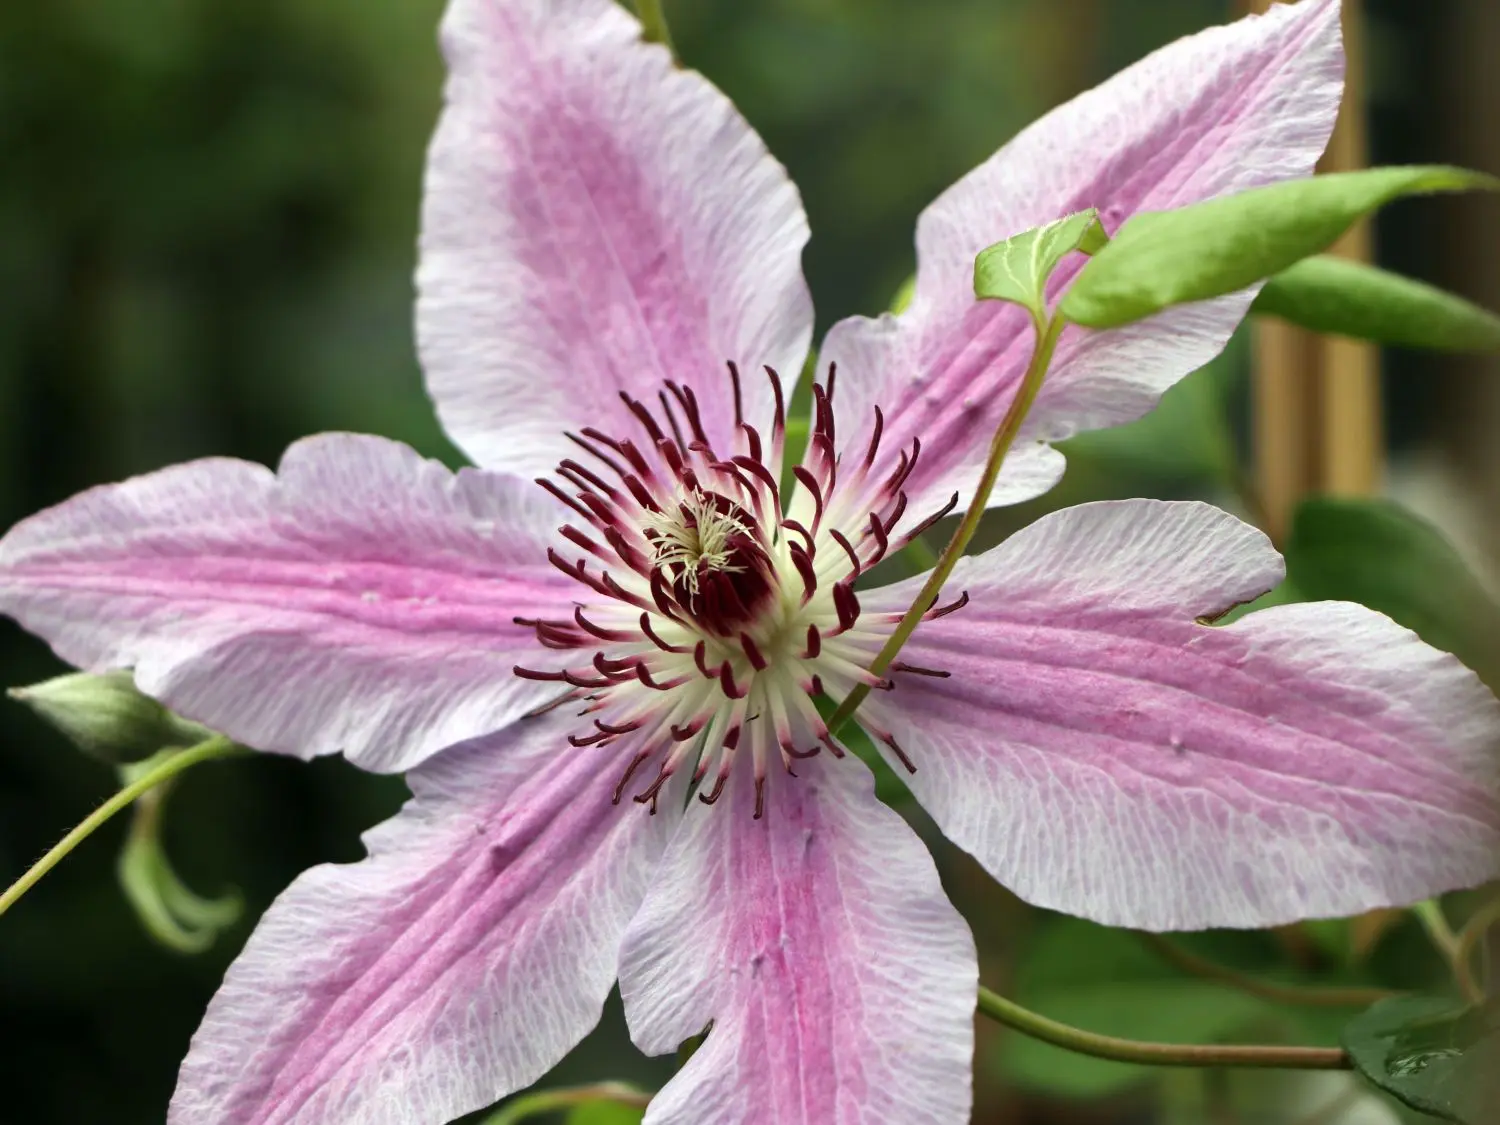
<point x="207" y="227"/>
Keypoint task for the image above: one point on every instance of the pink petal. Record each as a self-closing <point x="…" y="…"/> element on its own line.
<point x="1228" y="109"/>
<point x="840" y="980"/>
<point x="458" y="963"/>
<point x="596" y="221"/>
<point x="360" y="601"/>
<point x="1104" y="754"/>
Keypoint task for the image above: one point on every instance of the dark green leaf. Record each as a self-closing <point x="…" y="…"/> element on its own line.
<point x="1165" y="258"/>
<point x="1349" y="298"/>
<point x="1430" y="1053"/>
<point x="1017" y="269"/>
<point x="1378" y="554"/>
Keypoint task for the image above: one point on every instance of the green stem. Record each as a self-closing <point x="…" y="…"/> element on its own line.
<point x="1082" y="1042"/>
<point x="1446" y="942"/>
<point x="654" y="23"/>
<point x="546" y="1101"/>
<point x="1474" y="929"/>
<point x="1311" y="995"/>
<point x="1047" y="334"/>
<point x="216" y="747"/>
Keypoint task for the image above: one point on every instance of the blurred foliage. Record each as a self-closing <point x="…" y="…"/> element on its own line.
<point x="208" y="214"/>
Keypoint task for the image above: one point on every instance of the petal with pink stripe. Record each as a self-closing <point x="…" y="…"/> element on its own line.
<point x="1104" y="753"/>
<point x="840" y="981"/>
<point x="458" y="963"/>
<point x="362" y="600"/>
<point x="1228" y="109"/>
<point x="596" y="220"/>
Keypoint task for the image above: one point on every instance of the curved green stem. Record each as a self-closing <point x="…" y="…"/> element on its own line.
<point x="1311" y="995"/>
<point x="1473" y="930"/>
<point x="216" y="747"/>
<point x="654" y="23"/>
<point x="1446" y="942"/>
<point x="1047" y="333"/>
<point x="545" y="1101"/>
<point x="1082" y="1042"/>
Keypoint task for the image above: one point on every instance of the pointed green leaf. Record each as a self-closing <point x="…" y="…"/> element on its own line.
<point x="1377" y="553"/>
<point x="1165" y="258"/>
<point x="1349" y="298"/>
<point x="1017" y="269"/>
<point x="1430" y="1053"/>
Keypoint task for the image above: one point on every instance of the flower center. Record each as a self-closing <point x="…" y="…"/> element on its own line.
<point x="712" y="610"/>
<point x="708" y="549"/>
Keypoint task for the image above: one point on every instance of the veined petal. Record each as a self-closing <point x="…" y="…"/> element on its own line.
<point x="458" y="963"/>
<point x="1103" y="753"/>
<point x="362" y="600"/>
<point x="1228" y="109"/>
<point x="839" y="979"/>
<point x="596" y="220"/>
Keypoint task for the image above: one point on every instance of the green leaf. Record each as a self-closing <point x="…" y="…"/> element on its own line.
<point x="1105" y="980"/>
<point x="1165" y="258"/>
<point x="1017" y="269"/>
<point x="605" y="1113"/>
<point x="1349" y="298"/>
<point x="1378" y="554"/>
<point x="1430" y="1053"/>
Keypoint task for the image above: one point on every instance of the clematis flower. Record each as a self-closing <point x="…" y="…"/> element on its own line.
<point x="617" y="768"/>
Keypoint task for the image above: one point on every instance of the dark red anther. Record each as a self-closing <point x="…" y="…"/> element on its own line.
<point x="726" y="682"/>
<point x="814" y="643"/>
<point x="611" y="728"/>
<point x="890" y="741"/>
<point x="874" y="439"/>
<point x="700" y="658"/>
<point x="752" y="652"/>
<point x="944" y="611"/>
<point x="811" y="484"/>
<point x="846" y="605"/>
<point x="643" y="416"/>
<point x="807" y="539"/>
<point x="666" y="409"/>
<point x="833" y="746"/>
<point x="713" y="795"/>
<point x="926" y="524"/>
<point x="578" y="538"/>
<point x="654" y="638"/>
<point x="792" y="752"/>
<point x="589" y="739"/>
<point x="638" y="491"/>
<point x="754" y="466"/>
<point x="587" y="476"/>
<point x="551" y="487"/>
<point x="779" y="419"/>
<point x="805" y="569"/>
<point x="739" y="405"/>
<point x="896" y="513"/>
<point x="643" y="674"/>
<point x="843" y="541"/>
<point x="882" y="539"/>
<point x="833" y="374"/>
<point x="917" y="670"/>
<point x="594" y="451"/>
<point x="760" y="797"/>
<point x="687" y="731"/>
<point x="653" y="791"/>
<point x="635" y="764"/>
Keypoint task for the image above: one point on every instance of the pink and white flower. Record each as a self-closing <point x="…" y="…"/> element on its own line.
<point x="618" y="771"/>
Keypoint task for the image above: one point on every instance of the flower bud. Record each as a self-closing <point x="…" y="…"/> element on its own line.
<point x="107" y="717"/>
